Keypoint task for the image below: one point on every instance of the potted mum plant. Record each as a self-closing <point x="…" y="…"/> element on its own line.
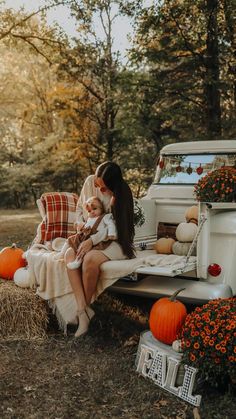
<point x="217" y="186"/>
<point x="208" y="340"/>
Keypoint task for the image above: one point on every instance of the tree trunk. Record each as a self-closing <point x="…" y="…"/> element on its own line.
<point x="17" y="199"/>
<point x="231" y="32"/>
<point x="212" y="90"/>
<point x="110" y="115"/>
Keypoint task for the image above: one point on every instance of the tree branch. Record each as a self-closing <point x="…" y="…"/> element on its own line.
<point x="26" y="18"/>
<point x="25" y="39"/>
<point x="186" y="41"/>
<point x="91" y="90"/>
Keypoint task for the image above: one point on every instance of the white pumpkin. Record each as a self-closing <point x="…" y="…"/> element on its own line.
<point x="185" y="232"/>
<point x="176" y="345"/>
<point x="21" y="278"/>
<point x="181" y="248"/>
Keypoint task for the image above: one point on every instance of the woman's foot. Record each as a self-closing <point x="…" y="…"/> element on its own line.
<point x="90" y="312"/>
<point x="84" y="319"/>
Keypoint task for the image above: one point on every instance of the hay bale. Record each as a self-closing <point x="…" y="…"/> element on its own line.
<point x="23" y="315"/>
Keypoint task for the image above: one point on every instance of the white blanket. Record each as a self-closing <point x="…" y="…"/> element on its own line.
<point x="49" y="274"/>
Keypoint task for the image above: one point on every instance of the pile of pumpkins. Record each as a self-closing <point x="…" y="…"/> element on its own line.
<point x="185" y="233"/>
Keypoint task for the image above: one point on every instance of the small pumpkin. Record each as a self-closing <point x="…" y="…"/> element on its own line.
<point x="176" y="346"/>
<point x="191" y="214"/>
<point x="167" y="316"/>
<point x="11" y="259"/>
<point x="181" y="248"/>
<point x="185" y="232"/>
<point x="164" y="245"/>
<point x="21" y="277"/>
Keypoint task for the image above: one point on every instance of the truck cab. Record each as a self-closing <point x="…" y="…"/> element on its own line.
<point x="179" y="168"/>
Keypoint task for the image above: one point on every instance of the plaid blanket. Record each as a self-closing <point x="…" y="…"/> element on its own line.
<point x="58" y="210"/>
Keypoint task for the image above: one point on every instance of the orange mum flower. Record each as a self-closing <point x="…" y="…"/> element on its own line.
<point x="192" y="357"/>
<point x="209" y="334"/>
<point x="216" y="186"/>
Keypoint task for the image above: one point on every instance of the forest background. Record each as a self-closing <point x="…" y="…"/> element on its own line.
<point x="68" y="105"/>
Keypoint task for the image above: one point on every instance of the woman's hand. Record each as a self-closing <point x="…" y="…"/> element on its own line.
<point x="84" y="248"/>
<point x="79" y="226"/>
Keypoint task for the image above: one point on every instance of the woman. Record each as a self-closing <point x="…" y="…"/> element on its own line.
<point x="108" y="184"/>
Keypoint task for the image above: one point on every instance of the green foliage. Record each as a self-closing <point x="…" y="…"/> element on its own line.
<point x="139" y="214"/>
<point x="174" y="41"/>
<point x="95" y="65"/>
<point x="65" y="108"/>
<point x="34" y="155"/>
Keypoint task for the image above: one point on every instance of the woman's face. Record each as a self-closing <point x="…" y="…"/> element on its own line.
<point x="101" y="185"/>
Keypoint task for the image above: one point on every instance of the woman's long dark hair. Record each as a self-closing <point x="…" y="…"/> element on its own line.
<point x="123" y="208"/>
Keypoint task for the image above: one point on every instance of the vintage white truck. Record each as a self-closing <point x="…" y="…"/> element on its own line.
<point x="213" y="273"/>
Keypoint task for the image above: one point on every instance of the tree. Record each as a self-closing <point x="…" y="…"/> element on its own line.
<point x="212" y="75"/>
<point x="184" y="48"/>
<point x="33" y="133"/>
<point x="22" y="27"/>
<point x="95" y="65"/>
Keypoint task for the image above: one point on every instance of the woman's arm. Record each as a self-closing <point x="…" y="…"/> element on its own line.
<point x="87" y="191"/>
<point x="98" y="237"/>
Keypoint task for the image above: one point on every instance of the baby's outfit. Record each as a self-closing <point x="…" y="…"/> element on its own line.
<point x="101" y="230"/>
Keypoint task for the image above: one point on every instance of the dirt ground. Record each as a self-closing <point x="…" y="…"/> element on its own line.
<point x="93" y="377"/>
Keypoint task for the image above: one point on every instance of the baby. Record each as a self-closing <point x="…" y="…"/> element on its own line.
<point x="99" y="227"/>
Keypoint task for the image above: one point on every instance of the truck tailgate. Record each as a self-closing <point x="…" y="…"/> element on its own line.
<point x="169" y="270"/>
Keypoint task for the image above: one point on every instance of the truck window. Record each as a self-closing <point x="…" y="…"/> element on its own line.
<point x="188" y="169"/>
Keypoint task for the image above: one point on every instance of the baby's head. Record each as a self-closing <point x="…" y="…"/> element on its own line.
<point x="94" y="206"/>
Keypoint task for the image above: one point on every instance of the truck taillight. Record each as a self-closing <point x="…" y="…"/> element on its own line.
<point x="214" y="269"/>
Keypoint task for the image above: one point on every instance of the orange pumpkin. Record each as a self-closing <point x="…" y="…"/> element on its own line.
<point x="164" y="245"/>
<point x="167" y="316"/>
<point x="191" y="214"/>
<point x="10" y="260"/>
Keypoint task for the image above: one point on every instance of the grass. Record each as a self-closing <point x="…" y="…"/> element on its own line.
<point x="92" y="377"/>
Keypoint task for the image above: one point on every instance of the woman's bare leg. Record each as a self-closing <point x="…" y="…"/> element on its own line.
<point x="75" y="280"/>
<point x="84" y="313"/>
<point x="90" y="272"/>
